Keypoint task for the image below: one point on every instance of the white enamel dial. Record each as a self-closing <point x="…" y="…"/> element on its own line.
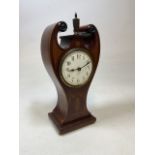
<point x="76" y="67"/>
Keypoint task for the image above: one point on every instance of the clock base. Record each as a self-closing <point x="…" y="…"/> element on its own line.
<point x="73" y="125"/>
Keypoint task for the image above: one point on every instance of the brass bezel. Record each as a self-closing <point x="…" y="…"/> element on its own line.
<point x="62" y="60"/>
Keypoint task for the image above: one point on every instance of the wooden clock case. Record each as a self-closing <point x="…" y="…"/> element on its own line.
<point x="71" y="110"/>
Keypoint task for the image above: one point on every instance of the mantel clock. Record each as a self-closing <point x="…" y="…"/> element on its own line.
<point x="71" y="64"/>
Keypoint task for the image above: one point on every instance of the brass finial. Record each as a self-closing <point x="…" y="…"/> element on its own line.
<point x="76" y="23"/>
<point x="75" y="15"/>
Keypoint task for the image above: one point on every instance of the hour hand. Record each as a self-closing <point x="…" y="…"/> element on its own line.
<point x="70" y="70"/>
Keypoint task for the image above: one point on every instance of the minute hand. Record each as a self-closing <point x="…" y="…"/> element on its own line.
<point x="79" y="68"/>
<point x="85" y="64"/>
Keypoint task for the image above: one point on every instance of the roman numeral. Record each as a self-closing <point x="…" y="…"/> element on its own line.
<point x="68" y="63"/>
<point x="68" y="75"/>
<point x="88" y="66"/>
<point x="78" y="56"/>
<point x="72" y="79"/>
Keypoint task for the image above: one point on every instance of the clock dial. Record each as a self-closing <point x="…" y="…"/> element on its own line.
<point x="76" y="68"/>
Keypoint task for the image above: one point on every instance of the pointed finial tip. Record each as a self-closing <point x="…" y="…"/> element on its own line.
<point x="75" y="15"/>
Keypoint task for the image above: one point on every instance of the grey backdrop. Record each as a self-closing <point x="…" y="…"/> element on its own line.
<point x="111" y="95"/>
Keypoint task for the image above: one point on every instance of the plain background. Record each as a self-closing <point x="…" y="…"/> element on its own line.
<point x="111" y="95"/>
